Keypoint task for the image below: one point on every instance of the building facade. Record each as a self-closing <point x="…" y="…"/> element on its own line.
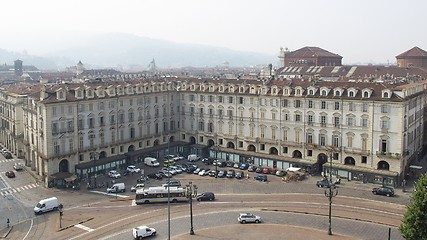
<point x="372" y="131"/>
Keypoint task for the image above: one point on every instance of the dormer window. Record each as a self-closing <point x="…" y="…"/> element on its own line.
<point x="60" y="95"/>
<point x="89" y="93"/>
<point x="366" y="93"/>
<point x="193" y="87"/>
<point x="211" y="88"/>
<point x="221" y="88"/>
<point x="324" y="93"/>
<point x="101" y="92"/>
<point x="231" y="89"/>
<point x="337" y="93"/>
<point x="386" y="93"/>
<point x="253" y="91"/>
<point x="310" y="92"/>
<point x="241" y="90"/>
<point x="286" y="91"/>
<point x="351" y="94"/>
<point x="274" y="91"/>
<point x="202" y="87"/>
<point x="79" y="93"/>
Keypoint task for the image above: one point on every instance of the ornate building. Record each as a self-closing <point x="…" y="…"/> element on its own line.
<point x="371" y="130"/>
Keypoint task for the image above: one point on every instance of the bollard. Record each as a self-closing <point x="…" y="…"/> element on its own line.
<point x="8" y="221"/>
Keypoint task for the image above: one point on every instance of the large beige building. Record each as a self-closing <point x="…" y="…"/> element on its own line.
<point x="372" y="130"/>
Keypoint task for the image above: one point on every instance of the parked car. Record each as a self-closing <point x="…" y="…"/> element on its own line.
<point x="168" y="162"/>
<point x="197" y="170"/>
<point x="244" y="166"/>
<point x="258" y="170"/>
<point x="17" y="167"/>
<point x="266" y="170"/>
<point x="252" y="168"/>
<point x="248" y="218"/>
<point x="177" y="169"/>
<point x="213" y="173"/>
<point x="324" y="183"/>
<point x="172" y="183"/>
<point x="7" y="155"/>
<point x="386" y="191"/>
<point x="170" y="156"/>
<point x="240" y="175"/>
<point x="202" y="172"/>
<point x="280" y="173"/>
<point x="10" y="174"/>
<point x="236" y="165"/>
<point x="114" y="174"/>
<point x="208" y="161"/>
<point x="230" y="174"/>
<point x="193" y="158"/>
<point x="222" y="164"/>
<point x="191" y="169"/>
<point x="165" y="173"/>
<point x="133" y="169"/>
<point x="261" y="177"/>
<point x="229" y="164"/>
<point x="156" y="176"/>
<point x="137" y="186"/>
<point x="222" y="173"/>
<point x="207" y="196"/>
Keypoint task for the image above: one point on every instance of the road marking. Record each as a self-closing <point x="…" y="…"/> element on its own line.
<point x="110" y="194"/>
<point x="84" y="227"/>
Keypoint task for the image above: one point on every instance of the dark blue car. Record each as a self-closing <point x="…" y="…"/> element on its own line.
<point x="244" y="166"/>
<point x="261" y="177"/>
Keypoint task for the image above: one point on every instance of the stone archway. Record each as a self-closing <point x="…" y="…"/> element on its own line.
<point x="171" y="139"/>
<point x="297" y="154"/>
<point x="274" y="151"/>
<point x="193" y="140"/>
<point x="251" y="148"/>
<point x="131" y="148"/>
<point x="102" y="155"/>
<point x="321" y="160"/>
<point x="211" y="143"/>
<point x="63" y="166"/>
<point x="383" y="165"/>
<point x="349" y="161"/>
<point x="230" y="145"/>
<point x="156" y="142"/>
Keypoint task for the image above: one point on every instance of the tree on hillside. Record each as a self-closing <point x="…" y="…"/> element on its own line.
<point x="414" y="222"/>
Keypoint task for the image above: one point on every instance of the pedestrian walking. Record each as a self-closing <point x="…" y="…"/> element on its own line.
<point x="247" y="176"/>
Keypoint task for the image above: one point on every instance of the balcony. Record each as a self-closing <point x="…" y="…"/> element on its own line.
<point x="388" y="155"/>
<point x="358" y="151"/>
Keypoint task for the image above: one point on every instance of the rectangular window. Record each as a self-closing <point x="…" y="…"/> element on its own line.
<point x="323" y="105"/>
<point x="220" y="99"/>
<point x="310" y="153"/>
<point x="364" y="107"/>
<point x="310" y="104"/>
<point x="285" y="150"/>
<point x="284" y="102"/>
<point x="323" y="121"/>
<point x="297" y="103"/>
<point x="310" y="120"/>
<point x="364" y="122"/>
<point x="384" y="108"/>
<point x="336" y="121"/>
<point x="337" y="106"/>
<point x="230" y="99"/>
<point x="364" y="159"/>
<point x="350" y="106"/>
<point x="297" y="118"/>
<point x="241" y="100"/>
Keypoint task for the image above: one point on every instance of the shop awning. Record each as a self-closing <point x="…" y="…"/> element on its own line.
<point x="70" y="179"/>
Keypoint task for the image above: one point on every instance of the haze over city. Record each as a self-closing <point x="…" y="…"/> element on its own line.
<point x="361" y="31"/>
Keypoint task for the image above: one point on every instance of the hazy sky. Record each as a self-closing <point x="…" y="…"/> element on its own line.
<point x="359" y="30"/>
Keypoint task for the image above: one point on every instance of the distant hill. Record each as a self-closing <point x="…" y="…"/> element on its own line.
<point x="113" y="49"/>
<point x="120" y="49"/>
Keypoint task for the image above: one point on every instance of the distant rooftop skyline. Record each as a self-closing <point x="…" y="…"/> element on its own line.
<point x="361" y="31"/>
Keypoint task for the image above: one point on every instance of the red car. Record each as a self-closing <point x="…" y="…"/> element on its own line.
<point x="266" y="170"/>
<point x="10" y="174"/>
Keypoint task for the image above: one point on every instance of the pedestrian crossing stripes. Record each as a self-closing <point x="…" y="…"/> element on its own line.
<point x="7" y="160"/>
<point x="9" y="191"/>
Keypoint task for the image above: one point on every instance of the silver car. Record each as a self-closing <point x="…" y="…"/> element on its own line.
<point x="248" y="218"/>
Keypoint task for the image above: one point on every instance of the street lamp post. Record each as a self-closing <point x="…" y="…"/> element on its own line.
<point x="191" y="192"/>
<point x="169" y="207"/>
<point x="94" y="156"/>
<point x="216" y="161"/>
<point x="331" y="192"/>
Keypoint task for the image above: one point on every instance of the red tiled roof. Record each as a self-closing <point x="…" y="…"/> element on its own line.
<point x="413" y="52"/>
<point x="311" y="52"/>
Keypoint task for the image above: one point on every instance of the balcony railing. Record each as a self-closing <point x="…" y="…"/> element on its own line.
<point x="357" y="151"/>
<point x="388" y="155"/>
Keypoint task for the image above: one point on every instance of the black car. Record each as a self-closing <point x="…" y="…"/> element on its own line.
<point x="208" y="161"/>
<point x="207" y="196"/>
<point x="324" y="183"/>
<point x="385" y="191"/>
<point x="213" y="173"/>
<point x="190" y="169"/>
<point x="157" y="176"/>
<point x="240" y="174"/>
<point x="230" y="174"/>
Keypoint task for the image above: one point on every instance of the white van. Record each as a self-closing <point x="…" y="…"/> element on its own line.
<point x="193" y="158"/>
<point x="117" y="187"/>
<point x="46" y="205"/>
<point x="142" y="232"/>
<point x="152" y="162"/>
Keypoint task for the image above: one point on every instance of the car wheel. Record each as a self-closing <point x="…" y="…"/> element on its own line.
<point x="153" y="234"/>
<point x="211" y="199"/>
<point x="257" y="221"/>
<point x="199" y="199"/>
<point x="388" y="194"/>
<point x="375" y="193"/>
<point x="243" y="221"/>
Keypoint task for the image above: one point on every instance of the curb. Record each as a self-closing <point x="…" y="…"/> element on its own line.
<point x="7" y="233"/>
